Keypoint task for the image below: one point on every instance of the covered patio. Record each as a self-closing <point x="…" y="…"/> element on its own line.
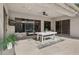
<point x="41" y="29"/>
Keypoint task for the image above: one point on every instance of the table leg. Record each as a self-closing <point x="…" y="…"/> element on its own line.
<point x="37" y="37"/>
<point x="54" y="36"/>
<point x="42" y="38"/>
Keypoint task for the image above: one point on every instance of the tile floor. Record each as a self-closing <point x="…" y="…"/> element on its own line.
<point x="29" y="47"/>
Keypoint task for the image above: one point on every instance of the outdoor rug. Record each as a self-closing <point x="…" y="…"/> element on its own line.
<point x="49" y="42"/>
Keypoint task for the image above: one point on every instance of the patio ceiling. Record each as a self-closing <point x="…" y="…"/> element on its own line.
<point x="51" y="9"/>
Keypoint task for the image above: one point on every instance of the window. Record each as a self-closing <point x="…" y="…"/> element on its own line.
<point x="24" y="27"/>
<point x="20" y="27"/>
<point x="29" y="27"/>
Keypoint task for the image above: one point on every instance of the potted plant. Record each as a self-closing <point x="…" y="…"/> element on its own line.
<point x="8" y="42"/>
<point x="46" y="29"/>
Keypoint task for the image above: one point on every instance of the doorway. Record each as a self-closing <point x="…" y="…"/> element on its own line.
<point x="63" y="27"/>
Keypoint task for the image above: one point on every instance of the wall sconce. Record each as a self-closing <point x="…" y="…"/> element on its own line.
<point x="11" y="22"/>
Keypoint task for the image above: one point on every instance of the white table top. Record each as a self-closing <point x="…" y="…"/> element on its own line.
<point x="46" y="33"/>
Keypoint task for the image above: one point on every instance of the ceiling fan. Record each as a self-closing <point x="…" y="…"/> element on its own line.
<point x="44" y="13"/>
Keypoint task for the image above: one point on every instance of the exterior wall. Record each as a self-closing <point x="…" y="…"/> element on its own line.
<point x="75" y="27"/>
<point x="74" y="24"/>
<point x="1" y="25"/>
<point x="8" y="27"/>
<point x="6" y="22"/>
<point x="1" y="21"/>
<point x="53" y="24"/>
<point x="2" y="32"/>
<point x="27" y="16"/>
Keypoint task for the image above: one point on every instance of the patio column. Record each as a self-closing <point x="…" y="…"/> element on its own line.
<point x="42" y="26"/>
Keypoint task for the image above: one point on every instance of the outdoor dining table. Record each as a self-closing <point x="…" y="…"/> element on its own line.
<point x="44" y="34"/>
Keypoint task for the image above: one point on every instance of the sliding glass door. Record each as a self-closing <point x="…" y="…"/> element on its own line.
<point x="63" y="27"/>
<point x="47" y="25"/>
<point x="58" y="27"/>
<point x="66" y="27"/>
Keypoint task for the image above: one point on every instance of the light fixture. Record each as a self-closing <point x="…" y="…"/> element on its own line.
<point x="11" y="22"/>
<point x="44" y="13"/>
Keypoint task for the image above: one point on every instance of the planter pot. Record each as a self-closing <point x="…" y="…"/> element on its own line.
<point x="9" y="45"/>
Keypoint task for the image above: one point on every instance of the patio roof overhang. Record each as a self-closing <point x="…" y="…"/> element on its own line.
<point x="52" y="9"/>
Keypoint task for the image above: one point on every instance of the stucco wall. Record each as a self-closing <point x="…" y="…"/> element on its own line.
<point x="1" y="21"/>
<point x="75" y="27"/>
<point x="6" y="19"/>
<point x="1" y="25"/>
